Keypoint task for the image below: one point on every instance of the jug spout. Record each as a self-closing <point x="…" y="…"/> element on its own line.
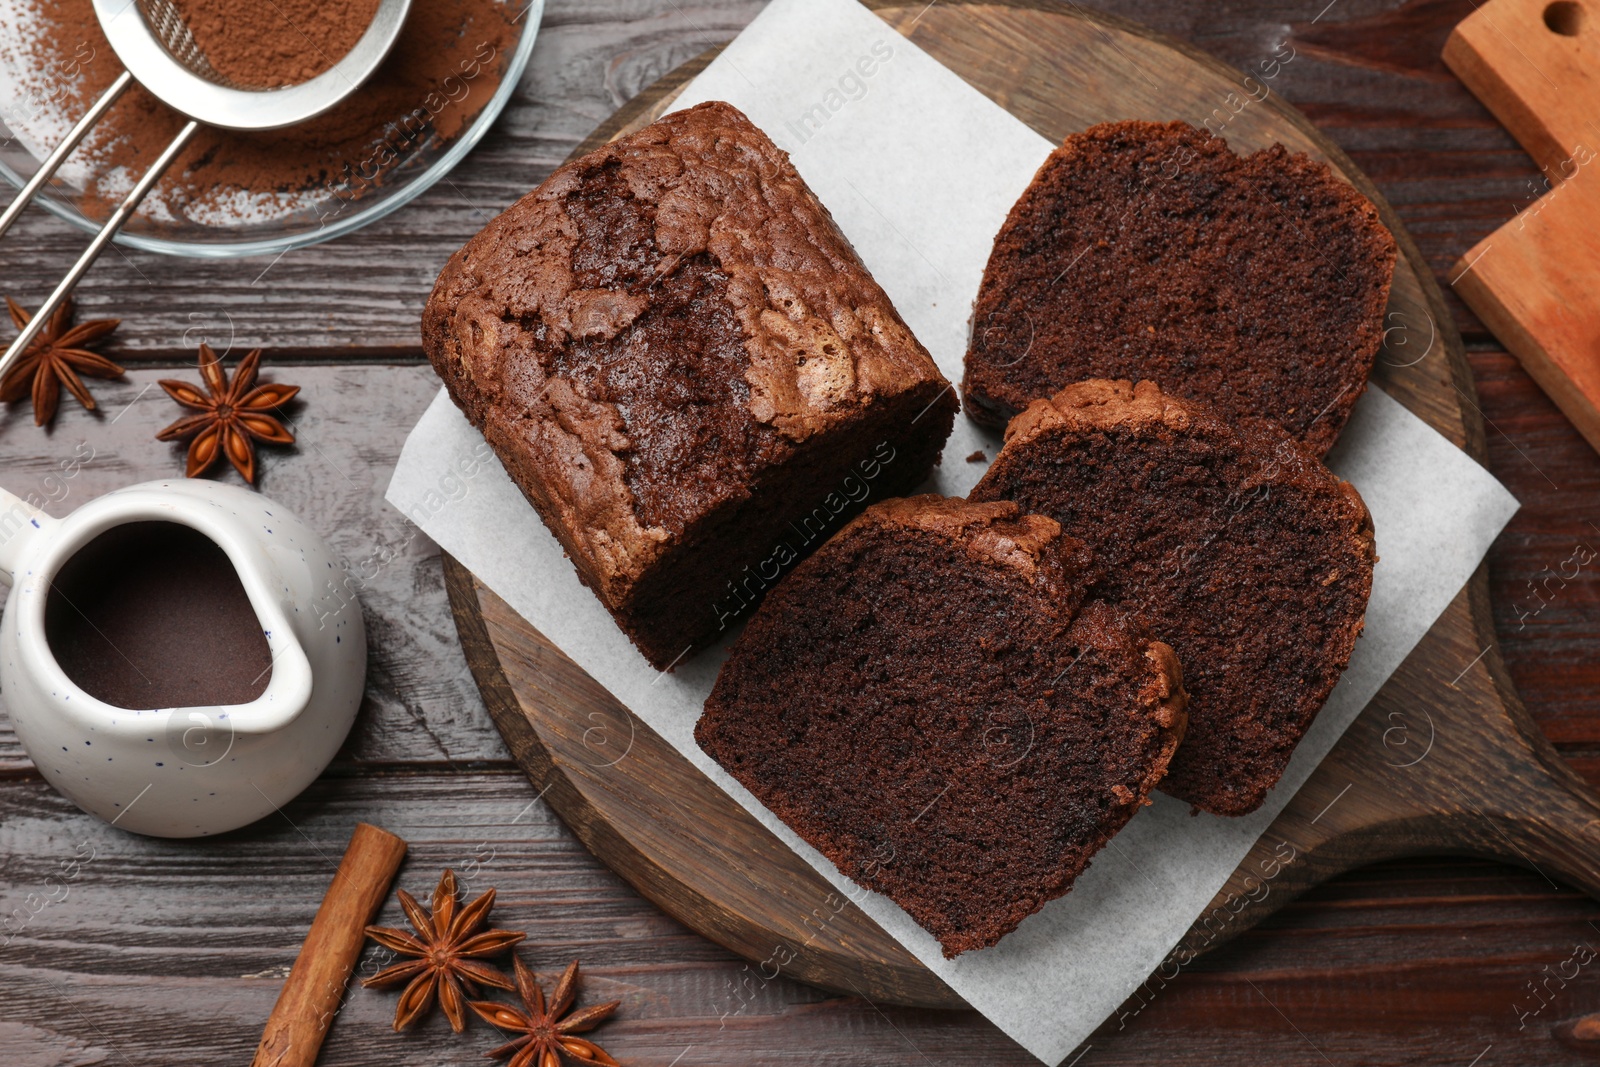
<point x="287" y="695"/>
<point x="21" y="526"/>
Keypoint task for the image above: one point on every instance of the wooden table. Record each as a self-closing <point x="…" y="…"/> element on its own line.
<point x="124" y="950"/>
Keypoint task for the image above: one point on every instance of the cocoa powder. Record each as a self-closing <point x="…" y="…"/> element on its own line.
<point x="264" y="44"/>
<point x="444" y="68"/>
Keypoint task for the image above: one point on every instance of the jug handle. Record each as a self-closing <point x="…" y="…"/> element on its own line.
<point x="21" y="524"/>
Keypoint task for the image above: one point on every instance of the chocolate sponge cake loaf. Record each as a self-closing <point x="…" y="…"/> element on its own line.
<point x="1150" y="251"/>
<point x="1231" y="542"/>
<point x="928" y="702"/>
<point x="686" y="368"/>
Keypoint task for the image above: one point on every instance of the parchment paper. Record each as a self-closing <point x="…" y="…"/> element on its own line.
<point x="919" y="170"/>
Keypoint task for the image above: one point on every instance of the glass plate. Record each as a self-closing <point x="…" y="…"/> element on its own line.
<point x="424" y="164"/>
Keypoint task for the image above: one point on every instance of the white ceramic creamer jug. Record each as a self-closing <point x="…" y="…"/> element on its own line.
<point x="186" y="771"/>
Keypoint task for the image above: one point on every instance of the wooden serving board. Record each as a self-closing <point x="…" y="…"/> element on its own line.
<point x="1444" y="759"/>
<point x="1534" y="280"/>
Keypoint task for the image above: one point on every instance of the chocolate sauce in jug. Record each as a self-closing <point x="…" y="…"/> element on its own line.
<point x="152" y="615"/>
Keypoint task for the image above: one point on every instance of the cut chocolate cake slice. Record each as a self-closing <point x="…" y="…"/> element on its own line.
<point x="687" y="370"/>
<point x="927" y="701"/>
<point x="1232" y="543"/>
<point x="1145" y="250"/>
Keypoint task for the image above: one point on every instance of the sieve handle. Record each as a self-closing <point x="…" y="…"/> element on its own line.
<point x="47" y="169"/>
<point x="90" y="254"/>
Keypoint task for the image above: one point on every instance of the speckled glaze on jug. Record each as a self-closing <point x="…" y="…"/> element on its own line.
<point x="186" y="772"/>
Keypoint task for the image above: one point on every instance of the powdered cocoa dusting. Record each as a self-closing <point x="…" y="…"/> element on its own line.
<point x="264" y="44"/>
<point x="443" y="70"/>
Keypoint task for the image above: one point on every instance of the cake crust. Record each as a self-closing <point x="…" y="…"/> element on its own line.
<point x="1230" y="542"/>
<point x="1257" y="284"/>
<point x="967" y="760"/>
<point x="675" y="352"/>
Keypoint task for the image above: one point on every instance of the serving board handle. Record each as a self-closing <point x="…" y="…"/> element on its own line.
<point x="1561" y="838"/>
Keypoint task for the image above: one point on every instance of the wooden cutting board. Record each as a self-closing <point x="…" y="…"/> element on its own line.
<point x="1444" y="759"/>
<point x="1536" y="280"/>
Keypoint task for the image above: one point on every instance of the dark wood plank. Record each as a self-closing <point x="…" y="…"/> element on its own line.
<point x="172" y="952"/>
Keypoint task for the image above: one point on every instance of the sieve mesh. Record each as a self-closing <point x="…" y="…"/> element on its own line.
<point x="168" y="27"/>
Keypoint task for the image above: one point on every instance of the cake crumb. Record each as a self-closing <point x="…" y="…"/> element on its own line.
<point x="978" y="457"/>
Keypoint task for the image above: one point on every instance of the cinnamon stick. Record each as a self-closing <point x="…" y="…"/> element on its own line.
<point x="316" y="983"/>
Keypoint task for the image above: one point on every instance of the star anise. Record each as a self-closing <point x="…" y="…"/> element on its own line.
<point x="547" y="1034"/>
<point x="447" y="954"/>
<point x="57" y="357"/>
<point x="232" y="417"/>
